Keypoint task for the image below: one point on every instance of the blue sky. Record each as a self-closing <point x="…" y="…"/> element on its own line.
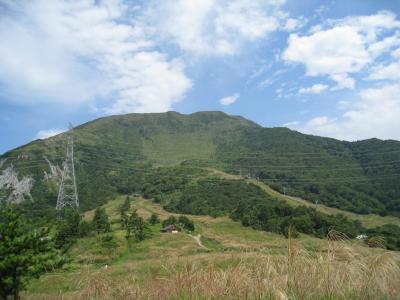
<point x="329" y="68"/>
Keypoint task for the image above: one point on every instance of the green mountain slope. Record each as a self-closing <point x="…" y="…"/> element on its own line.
<point x="131" y="153"/>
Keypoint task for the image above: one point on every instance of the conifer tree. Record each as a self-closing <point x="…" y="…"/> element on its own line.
<point x="67" y="229"/>
<point x="124" y="219"/>
<point x="137" y="226"/>
<point x="126" y="205"/>
<point x="25" y="252"/>
<point x="101" y="221"/>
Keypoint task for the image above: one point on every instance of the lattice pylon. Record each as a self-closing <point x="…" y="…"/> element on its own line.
<point x="68" y="194"/>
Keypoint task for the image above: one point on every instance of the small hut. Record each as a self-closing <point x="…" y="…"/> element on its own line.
<point x="170" y="229"/>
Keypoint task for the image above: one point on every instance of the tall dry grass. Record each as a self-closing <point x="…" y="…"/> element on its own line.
<point x="339" y="271"/>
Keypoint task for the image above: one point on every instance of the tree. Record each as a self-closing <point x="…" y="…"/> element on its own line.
<point x="130" y="223"/>
<point x="140" y="229"/>
<point x="126" y="205"/>
<point x="25" y="252"/>
<point x="137" y="226"/>
<point x="101" y="221"/>
<point x="154" y="219"/>
<point x="67" y="229"/>
<point x="85" y="228"/>
<point x="124" y="209"/>
<point x="124" y="219"/>
<point x="170" y="221"/>
<point x="186" y="223"/>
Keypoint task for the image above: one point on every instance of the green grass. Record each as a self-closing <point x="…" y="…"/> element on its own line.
<point x="164" y="255"/>
<point x="149" y="257"/>
<point x="368" y="221"/>
<point x="179" y="147"/>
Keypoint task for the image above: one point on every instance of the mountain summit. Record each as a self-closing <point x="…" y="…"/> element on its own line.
<point x="356" y="176"/>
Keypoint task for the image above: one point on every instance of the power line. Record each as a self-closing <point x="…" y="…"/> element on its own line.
<point x="391" y="163"/>
<point x="256" y="155"/>
<point x="308" y="167"/>
<point x="258" y="166"/>
<point x="347" y="150"/>
<point x="335" y="179"/>
<point x="124" y="156"/>
<point x="114" y="166"/>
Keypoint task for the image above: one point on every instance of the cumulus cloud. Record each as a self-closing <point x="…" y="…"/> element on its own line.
<point x="341" y="48"/>
<point x="370" y="25"/>
<point x="375" y="114"/>
<point x="230" y="99"/>
<point x="385" y="45"/>
<point x="214" y="27"/>
<point x="46" y="133"/>
<point x="112" y="55"/>
<point x="315" y="89"/>
<point x="385" y="72"/>
<point x="83" y="50"/>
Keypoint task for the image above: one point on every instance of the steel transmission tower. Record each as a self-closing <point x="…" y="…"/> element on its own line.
<point x="67" y="194"/>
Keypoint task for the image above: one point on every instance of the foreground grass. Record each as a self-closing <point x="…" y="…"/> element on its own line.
<point x="340" y="272"/>
<point x="239" y="263"/>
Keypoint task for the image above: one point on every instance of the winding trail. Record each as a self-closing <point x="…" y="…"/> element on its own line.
<point x="197" y="238"/>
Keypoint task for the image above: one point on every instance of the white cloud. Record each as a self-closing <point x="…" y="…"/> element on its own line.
<point x="385" y="72"/>
<point x="372" y="24"/>
<point x="343" y="104"/>
<point x="291" y="124"/>
<point x="46" y="133"/>
<point x="375" y="114"/>
<point x="396" y="53"/>
<point x="294" y="24"/>
<point x="315" y="89"/>
<point x="384" y="45"/>
<point x="214" y="27"/>
<point x="343" y="81"/>
<point x="110" y="54"/>
<point x="34" y="66"/>
<point x="154" y="83"/>
<point x="334" y="52"/>
<point x="230" y="99"/>
<point x="343" y="47"/>
<point x="83" y="50"/>
<point x="272" y="78"/>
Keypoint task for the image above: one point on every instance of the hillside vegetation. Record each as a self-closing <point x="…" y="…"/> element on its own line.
<point x="232" y="262"/>
<point x="112" y="152"/>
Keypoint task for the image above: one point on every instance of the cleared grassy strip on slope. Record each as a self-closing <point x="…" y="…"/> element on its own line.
<point x="368" y="221"/>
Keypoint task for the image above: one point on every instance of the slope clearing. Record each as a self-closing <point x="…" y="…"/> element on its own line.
<point x="369" y="220"/>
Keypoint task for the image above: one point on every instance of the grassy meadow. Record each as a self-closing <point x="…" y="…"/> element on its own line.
<point x="230" y="262"/>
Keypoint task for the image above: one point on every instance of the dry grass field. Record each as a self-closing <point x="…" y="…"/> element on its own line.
<point x="239" y="263"/>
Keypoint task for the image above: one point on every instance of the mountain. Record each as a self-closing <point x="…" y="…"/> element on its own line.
<point x="134" y="152"/>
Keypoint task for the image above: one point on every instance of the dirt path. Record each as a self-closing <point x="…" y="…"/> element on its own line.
<point x="197" y="238"/>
